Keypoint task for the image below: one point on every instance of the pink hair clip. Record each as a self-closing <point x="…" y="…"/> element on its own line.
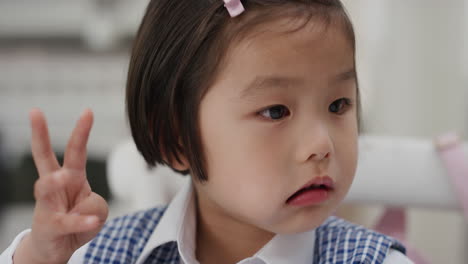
<point x="234" y="7"/>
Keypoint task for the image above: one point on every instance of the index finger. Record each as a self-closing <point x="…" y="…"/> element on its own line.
<point x="75" y="154"/>
<point x="43" y="155"/>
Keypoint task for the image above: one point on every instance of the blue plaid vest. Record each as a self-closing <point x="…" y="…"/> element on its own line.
<point x="122" y="240"/>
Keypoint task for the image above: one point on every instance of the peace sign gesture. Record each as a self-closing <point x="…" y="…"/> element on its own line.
<point x="67" y="213"/>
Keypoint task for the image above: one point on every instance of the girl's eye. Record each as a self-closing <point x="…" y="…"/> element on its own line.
<point x="339" y="106"/>
<point x="276" y="112"/>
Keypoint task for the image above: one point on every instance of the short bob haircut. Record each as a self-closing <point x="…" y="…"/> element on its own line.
<point x="177" y="52"/>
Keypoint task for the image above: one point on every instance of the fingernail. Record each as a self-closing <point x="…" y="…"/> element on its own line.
<point x="90" y="220"/>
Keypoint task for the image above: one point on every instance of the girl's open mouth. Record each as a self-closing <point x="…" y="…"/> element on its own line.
<point x="314" y="192"/>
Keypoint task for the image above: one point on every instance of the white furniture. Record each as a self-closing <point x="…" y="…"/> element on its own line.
<point x="99" y="23"/>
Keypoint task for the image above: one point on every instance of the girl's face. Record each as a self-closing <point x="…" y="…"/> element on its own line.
<point x="277" y="118"/>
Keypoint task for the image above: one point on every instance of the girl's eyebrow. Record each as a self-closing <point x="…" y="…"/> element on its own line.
<point x="269" y="81"/>
<point x="346" y="75"/>
<point x="276" y="81"/>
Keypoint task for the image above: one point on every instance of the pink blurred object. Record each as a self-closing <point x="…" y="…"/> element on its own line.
<point x="456" y="163"/>
<point x="393" y="221"/>
<point x="234" y="7"/>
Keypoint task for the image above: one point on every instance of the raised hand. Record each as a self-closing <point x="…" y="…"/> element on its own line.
<point x="68" y="213"/>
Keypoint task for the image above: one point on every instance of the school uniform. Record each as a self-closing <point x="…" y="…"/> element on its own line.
<point x="166" y="235"/>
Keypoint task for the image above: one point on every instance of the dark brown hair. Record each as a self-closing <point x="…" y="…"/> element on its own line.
<point x="177" y="52"/>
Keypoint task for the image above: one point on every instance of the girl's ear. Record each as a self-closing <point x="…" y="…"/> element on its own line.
<point x="168" y="158"/>
<point x="183" y="165"/>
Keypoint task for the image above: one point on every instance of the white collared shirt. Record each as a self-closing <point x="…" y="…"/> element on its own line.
<point x="179" y="224"/>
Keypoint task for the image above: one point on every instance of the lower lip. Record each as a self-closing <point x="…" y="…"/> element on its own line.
<point x="311" y="197"/>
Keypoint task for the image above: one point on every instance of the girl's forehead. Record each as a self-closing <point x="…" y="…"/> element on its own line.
<point x="286" y="52"/>
<point x="290" y="36"/>
<point x="285" y="26"/>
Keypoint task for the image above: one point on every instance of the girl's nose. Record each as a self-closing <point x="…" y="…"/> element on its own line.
<point x="319" y="156"/>
<point x="317" y="145"/>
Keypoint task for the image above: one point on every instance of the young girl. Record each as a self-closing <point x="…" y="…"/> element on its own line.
<point x="258" y="101"/>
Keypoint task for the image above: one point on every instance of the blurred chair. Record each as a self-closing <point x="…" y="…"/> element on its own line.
<point x="407" y="172"/>
<point x="392" y="171"/>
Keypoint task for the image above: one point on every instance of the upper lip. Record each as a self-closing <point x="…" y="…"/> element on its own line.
<point x="325" y="180"/>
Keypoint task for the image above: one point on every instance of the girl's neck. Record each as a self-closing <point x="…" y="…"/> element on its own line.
<point x="223" y="239"/>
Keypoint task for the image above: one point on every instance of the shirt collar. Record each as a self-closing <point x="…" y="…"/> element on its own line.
<point x="291" y="248"/>
<point x="178" y="224"/>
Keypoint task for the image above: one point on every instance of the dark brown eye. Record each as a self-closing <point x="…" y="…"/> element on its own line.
<point x="339" y="106"/>
<point x="276" y="112"/>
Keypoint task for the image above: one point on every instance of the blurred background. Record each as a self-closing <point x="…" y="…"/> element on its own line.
<point x="66" y="55"/>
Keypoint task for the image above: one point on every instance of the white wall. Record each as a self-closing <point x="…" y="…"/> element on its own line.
<point x="412" y="59"/>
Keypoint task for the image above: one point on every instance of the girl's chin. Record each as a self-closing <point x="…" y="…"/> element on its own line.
<point x="298" y="228"/>
<point x="303" y="222"/>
